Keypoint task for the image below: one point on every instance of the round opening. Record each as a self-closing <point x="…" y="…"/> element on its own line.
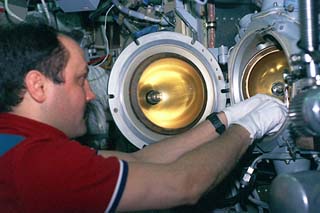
<point x="264" y="73"/>
<point x="168" y="93"/>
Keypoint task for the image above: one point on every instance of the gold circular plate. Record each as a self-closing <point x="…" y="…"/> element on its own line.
<point x="169" y="94"/>
<point x="263" y="72"/>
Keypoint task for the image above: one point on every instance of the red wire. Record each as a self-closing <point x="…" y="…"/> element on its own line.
<point x="96" y="60"/>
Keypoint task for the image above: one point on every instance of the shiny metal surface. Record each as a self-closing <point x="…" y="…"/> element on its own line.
<point x="264" y="73"/>
<point x="295" y="192"/>
<point x="257" y="61"/>
<point x="304" y="112"/>
<point x="309" y="22"/>
<point x="163" y="86"/>
<point x="169" y="95"/>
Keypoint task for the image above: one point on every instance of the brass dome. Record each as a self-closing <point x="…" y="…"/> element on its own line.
<point x="168" y="93"/>
<point x="264" y="74"/>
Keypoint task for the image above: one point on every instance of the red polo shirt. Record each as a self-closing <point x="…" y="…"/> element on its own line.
<point x="47" y="172"/>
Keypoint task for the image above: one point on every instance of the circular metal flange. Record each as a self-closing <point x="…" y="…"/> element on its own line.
<point x="259" y="59"/>
<point x="125" y="69"/>
<point x="267" y="36"/>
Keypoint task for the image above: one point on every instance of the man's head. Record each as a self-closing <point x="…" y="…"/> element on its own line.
<point x="23" y="48"/>
<point x="43" y="77"/>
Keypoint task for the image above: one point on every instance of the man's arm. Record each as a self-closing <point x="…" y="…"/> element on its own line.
<point x="184" y="180"/>
<point x="171" y="148"/>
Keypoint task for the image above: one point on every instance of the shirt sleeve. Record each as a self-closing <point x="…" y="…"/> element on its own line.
<point x="122" y="178"/>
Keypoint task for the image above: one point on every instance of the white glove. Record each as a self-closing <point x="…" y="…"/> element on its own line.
<point x="265" y="119"/>
<point x="237" y="111"/>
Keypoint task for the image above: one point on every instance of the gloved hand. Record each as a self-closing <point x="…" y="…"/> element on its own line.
<point x="264" y="119"/>
<point x="237" y="111"/>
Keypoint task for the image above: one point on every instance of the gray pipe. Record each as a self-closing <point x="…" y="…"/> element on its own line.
<point x="138" y="15"/>
<point x="309" y="25"/>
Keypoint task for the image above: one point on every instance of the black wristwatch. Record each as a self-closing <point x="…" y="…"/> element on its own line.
<point x="216" y="122"/>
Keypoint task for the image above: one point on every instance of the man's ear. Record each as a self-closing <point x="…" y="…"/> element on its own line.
<point x="35" y="85"/>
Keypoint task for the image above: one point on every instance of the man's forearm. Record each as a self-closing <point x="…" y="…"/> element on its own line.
<point x="210" y="163"/>
<point x="184" y="180"/>
<point x="172" y="148"/>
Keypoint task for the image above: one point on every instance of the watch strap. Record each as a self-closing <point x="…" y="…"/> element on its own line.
<point x="216" y="122"/>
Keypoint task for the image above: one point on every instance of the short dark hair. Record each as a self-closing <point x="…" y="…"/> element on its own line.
<point x="25" y="47"/>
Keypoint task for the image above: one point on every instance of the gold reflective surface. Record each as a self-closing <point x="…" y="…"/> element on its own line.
<point x="170" y="94"/>
<point x="264" y="72"/>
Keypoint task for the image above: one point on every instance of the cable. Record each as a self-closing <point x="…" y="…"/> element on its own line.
<point x="10" y="13"/>
<point x="138" y="15"/>
<point x="255" y="198"/>
<point x="46" y="11"/>
<point x="105" y="36"/>
<point x="201" y="2"/>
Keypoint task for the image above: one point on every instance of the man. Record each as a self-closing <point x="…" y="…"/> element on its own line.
<point x="43" y="94"/>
